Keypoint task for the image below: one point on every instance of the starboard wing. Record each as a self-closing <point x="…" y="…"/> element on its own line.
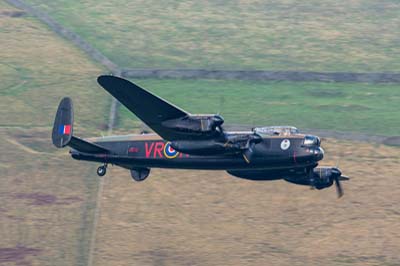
<point x="150" y="108"/>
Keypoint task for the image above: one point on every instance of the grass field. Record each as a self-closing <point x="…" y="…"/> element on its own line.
<point x="211" y="218"/>
<point x="46" y="212"/>
<point x="189" y="217"/>
<point x="273" y="35"/>
<point x="368" y="108"/>
<point x="37" y="69"/>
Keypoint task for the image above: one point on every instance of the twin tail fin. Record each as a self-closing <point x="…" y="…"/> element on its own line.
<point x="62" y="134"/>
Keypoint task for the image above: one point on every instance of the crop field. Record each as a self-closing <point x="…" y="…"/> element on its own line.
<point x="179" y="217"/>
<point x="357" y="107"/>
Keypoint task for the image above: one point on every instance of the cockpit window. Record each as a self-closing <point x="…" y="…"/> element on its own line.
<point x="276" y="130"/>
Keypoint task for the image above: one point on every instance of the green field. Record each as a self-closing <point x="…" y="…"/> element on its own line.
<point x="368" y="108"/>
<point x="37" y="69"/>
<point x="302" y="37"/>
<point x="198" y="217"/>
<point x="272" y="35"/>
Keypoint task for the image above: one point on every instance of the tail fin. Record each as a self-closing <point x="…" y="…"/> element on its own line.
<point x="63" y="123"/>
<point x="63" y="130"/>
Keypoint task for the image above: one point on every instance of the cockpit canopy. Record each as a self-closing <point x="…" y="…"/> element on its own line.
<point x="276" y="131"/>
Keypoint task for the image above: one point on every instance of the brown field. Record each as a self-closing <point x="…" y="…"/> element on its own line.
<point x="179" y="217"/>
<point x="47" y="202"/>
<point x="210" y="218"/>
<point x="46" y="210"/>
<point x="175" y="217"/>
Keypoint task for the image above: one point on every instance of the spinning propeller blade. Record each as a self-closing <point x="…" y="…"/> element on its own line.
<point x="337" y="176"/>
<point x="339" y="188"/>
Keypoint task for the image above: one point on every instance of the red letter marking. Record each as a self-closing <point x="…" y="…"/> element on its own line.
<point x="158" y="149"/>
<point x="148" y="149"/>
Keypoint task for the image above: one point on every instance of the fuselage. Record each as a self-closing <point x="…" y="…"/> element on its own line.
<point x="149" y="150"/>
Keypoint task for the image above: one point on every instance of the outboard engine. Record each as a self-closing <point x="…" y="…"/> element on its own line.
<point x="196" y="123"/>
<point x="320" y="178"/>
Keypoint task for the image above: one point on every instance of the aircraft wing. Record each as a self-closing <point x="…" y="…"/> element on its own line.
<point x="150" y="108"/>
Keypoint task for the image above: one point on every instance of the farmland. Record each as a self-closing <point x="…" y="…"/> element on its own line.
<point x="367" y="108"/>
<point x="46" y="215"/>
<point x="273" y="35"/>
<point x="179" y="217"/>
<point x="189" y="217"/>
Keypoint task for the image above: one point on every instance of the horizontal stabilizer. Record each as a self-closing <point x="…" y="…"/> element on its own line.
<point x="86" y="147"/>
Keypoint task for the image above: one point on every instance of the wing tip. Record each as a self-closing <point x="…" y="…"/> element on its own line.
<point x="104" y="78"/>
<point x="109" y="81"/>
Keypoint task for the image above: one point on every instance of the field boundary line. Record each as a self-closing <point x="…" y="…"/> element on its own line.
<point x="65" y="33"/>
<point x="264" y="75"/>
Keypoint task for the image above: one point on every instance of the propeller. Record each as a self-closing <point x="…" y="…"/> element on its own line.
<point x="217" y="122"/>
<point x="249" y="148"/>
<point x="337" y="176"/>
<point x="327" y="176"/>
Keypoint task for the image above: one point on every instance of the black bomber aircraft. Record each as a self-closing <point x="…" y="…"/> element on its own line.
<point x="189" y="141"/>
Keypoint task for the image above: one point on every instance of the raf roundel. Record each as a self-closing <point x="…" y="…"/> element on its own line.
<point x="169" y="152"/>
<point x="285" y="144"/>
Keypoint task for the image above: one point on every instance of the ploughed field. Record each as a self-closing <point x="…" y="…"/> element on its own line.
<point x="179" y="217"/>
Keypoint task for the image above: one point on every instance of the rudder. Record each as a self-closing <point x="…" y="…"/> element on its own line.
<point x="63" y="123"/>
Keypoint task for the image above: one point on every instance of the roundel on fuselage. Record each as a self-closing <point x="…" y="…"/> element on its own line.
<point x="169" y="152"/>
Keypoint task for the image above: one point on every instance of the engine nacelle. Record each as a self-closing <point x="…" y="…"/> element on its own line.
<point x="323" y="177"/>
<point x="195" y="123"/>
<point x="227" y="144"/>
